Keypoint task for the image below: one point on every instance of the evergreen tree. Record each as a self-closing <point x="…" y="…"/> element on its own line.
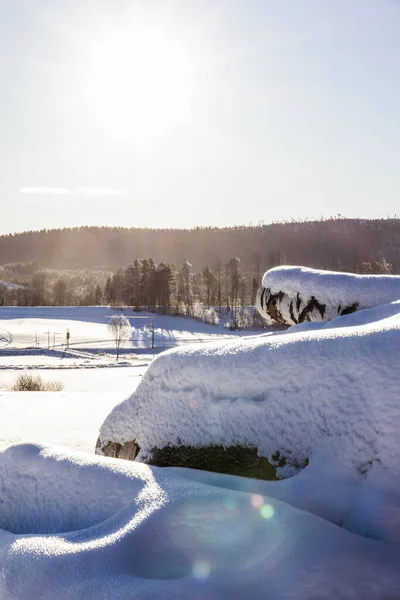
<point x="60" y="292"/>
<point x="109" y="295"/>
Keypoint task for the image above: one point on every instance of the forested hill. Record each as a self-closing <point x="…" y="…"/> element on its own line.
<point x="330" y="244"/>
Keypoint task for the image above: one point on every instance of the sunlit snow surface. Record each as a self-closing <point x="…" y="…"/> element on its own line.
<point x="328" y="391"/>
<point x="43" y="326"/>
<point x="77" y="526"/>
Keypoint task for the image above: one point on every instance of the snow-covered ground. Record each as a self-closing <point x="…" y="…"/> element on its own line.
<point x="70" y="418"/>
<point x="46" y="327"/>
<point x="93" y="381"/>
<point x="74" y="525"/>
<point x="61" y="360"/>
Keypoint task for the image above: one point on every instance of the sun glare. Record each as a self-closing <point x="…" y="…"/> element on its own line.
<point x="138" y="85"/>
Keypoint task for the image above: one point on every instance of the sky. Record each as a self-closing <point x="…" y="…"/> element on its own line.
<point x="185" y="113"/>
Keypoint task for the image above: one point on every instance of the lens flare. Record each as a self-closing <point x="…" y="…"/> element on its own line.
<point x="267" y="511"/>
<point x="201" y="569"/>
<point x="257" y="501"/>
<point x="230" y="504"/>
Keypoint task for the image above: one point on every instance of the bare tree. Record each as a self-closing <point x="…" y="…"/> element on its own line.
<point x="120" y="329"/>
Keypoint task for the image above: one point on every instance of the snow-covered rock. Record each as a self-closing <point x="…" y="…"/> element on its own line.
<point x="291" y="295"/>
<point x="327" y="391"/>
<point x="77" y="526"/>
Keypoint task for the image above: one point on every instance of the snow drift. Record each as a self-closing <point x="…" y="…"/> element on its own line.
<point x="76" y="526"/>
<point x="323" y="393"/>
<point x="291" y="295"/>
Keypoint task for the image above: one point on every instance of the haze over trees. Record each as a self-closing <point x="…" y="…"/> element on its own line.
<point x="338" y="244"/>
<point x="198" y="273"/>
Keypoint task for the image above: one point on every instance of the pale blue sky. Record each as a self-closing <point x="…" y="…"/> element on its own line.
<point x="177" y="113"/>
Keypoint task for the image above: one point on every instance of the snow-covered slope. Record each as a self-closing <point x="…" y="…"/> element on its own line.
<point x="78" y="527"/>
<point x="293" y="295"/>
<point x="302" y="392"/>
<point x="328" y="394"/>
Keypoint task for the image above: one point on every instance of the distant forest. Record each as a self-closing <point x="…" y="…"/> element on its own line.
<point x="177" y="270"/>
<point x="327" y="244"/>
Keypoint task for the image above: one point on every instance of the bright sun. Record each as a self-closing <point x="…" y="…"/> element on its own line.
<point x="138" y="85"/>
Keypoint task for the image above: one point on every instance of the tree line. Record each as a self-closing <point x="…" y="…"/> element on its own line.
<point x="226" y="288"/>
<point x="337" y="244"/>
<point x="145" y="285"/>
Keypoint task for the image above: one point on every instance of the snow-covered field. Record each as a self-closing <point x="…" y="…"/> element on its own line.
<point x="70" y="418"/>
<point x="93" y="381"/>
<point x="74" y="525"/>
<point x="46" y="327"/>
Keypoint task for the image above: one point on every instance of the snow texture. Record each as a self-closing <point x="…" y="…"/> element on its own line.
<point x="75" y="526"/>
<point x="70" y="418"/>
<point x="327" y="393"/>
<point x="292" y="295"/>
<point x="26" y="326"/>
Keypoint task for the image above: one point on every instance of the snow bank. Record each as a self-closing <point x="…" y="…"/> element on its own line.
<point x="328" y="394"/>
<point x="292" y="295"/>
<point x="75" y="526"/>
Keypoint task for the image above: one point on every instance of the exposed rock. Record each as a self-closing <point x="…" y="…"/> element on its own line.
<point x="234" y="460"/>
<point x="287" y="310"/>
<point x="312" y="305"/>
<point x="347" y="310"/>
<point x="127" y="451"/>
<point x="290" y="295"/>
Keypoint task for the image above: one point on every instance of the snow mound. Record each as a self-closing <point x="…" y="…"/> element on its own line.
<point x="292" y="295"/>
<point x="76" y="526"/>
<point x="329" y="390"/>
<point x="324" y="393"/>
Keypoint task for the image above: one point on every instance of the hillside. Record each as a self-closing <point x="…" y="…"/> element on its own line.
<point x="331" y="244"/>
